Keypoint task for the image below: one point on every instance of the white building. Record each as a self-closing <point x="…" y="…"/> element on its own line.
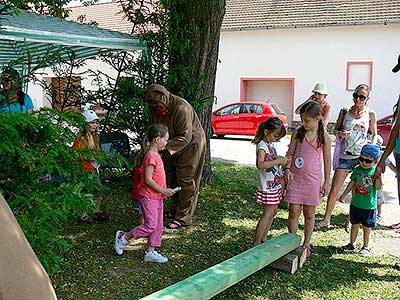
<point x="277" y="50"/>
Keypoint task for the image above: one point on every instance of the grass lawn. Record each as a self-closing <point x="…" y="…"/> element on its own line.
<point x="225" y="221"/>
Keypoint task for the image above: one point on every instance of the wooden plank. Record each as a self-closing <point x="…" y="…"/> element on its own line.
<point x="288" y="263"/>
<point x="301" y="252"/>
<point x="216" y="279"/>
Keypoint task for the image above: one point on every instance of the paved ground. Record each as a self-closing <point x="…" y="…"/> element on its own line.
<point x="239" y="149"/>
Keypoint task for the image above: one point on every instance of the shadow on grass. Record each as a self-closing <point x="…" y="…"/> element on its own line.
<point x="223" y="227"/>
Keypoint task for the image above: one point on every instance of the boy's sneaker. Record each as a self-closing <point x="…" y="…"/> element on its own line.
<point x="349" y="248"/>
<point x="154" y="256"/>
<point x="379" y="218"/>
<point x="365" y="252"/>
<point x="120" y="242"/>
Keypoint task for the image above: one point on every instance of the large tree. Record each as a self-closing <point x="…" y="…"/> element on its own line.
<point x="194" y="33"/>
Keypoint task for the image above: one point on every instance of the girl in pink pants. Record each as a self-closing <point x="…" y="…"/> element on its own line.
<point x="153" y="191"/>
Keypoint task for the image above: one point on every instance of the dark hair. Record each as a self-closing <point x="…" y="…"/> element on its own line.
<point x="154" y="131"/>
<point x="396" y="109"/>
<point x="362" y="86"/>
<point x="16" y="78"/>
<point x="313" y="110"/>
<point x="270" y="124"/>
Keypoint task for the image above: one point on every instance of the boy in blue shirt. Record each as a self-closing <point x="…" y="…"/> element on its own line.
<point x="364" y="183"/>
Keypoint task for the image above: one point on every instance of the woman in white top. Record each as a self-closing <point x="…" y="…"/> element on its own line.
<point x="352" y="127"/>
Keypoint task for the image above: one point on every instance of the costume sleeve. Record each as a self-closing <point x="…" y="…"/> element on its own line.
<point x="183" y="126"/>
<point x="28" y="103"/>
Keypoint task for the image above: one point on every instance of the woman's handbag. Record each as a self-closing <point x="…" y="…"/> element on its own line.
<point x="338" y="143"/>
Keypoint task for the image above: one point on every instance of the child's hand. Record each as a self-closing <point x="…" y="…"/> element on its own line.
<point x="342" y="198"/>
<point x="168" y="192"/>
<point x="288" y="176"/>
<point x="343" y="133"/>
<point x="325" y="188"/>
<point x="283" y="160"/>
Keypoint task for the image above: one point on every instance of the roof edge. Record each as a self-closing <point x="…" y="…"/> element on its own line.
<point x="268" y="27"/>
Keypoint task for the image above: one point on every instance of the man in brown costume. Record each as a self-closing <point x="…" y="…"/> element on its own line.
<point x="185" y="151"/>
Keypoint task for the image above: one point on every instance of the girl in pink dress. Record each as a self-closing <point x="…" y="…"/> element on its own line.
<point x="304" y="191"/>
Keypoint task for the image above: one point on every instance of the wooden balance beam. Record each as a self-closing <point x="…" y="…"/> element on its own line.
<point x="218" y="278"/>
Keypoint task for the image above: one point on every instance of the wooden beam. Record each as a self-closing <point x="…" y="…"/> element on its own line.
<point x="216" y="279"/>
<point x="290" y="262"/>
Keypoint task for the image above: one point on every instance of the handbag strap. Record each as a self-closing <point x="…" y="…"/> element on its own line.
<point x="343" y="113"/>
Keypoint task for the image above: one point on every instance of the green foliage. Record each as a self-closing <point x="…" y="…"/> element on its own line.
<point x="33" y="149"/>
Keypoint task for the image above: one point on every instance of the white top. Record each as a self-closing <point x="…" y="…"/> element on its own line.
<point x="269" y="179"/>
<point x="357" y="138"/>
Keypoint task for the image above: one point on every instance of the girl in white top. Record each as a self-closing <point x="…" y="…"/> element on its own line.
<point x="269" y="189"/>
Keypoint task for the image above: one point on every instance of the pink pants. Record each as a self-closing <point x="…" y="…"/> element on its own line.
<point x="152" y="228"/>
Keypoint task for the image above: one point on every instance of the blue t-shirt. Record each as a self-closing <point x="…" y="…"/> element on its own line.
<point x="16" y="107"/>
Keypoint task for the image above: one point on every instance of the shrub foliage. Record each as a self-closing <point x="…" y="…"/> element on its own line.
<point x="41" y="179"/>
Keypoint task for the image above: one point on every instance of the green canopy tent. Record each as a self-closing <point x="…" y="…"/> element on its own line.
<point x="27" y="37"/>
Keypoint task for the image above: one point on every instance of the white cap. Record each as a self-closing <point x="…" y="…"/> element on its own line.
<point x="89" y="115"/>
<point x="321" y="88"/>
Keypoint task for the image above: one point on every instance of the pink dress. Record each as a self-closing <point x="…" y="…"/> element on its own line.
<point x="306" y="166"/>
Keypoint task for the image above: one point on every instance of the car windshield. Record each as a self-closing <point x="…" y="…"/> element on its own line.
<point x="277" y="109"/>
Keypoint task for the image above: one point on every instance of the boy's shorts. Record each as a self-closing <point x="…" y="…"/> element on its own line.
<point x="380" y="197"/>
<point x="367" y="217"/>
<point x="348" y="164"/>
<point x="136" y="206"/>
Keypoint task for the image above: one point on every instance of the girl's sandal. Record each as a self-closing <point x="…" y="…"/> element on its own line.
<point x="177" y="224"/>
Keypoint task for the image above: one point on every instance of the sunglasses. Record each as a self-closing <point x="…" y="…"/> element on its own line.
<point x="366" y="160"/>
<point x="356" y="96"/>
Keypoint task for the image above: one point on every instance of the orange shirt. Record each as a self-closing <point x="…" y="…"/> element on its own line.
<point x="86" y="164"/>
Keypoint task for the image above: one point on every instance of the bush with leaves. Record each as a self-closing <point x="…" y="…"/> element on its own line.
<point x="33" y="149"/>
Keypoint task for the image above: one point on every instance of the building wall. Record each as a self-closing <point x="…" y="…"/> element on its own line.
<point x="312" y="55"/>
<point x="39" y="96"/>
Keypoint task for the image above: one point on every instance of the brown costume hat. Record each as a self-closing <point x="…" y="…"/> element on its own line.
<point x="158" y="88"/>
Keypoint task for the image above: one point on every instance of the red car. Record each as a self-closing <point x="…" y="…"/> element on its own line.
<point x="242" y="118"/>
<point x="384" y="126"/>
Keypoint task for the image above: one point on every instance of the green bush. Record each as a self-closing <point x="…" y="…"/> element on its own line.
<point x="34" y="148"/>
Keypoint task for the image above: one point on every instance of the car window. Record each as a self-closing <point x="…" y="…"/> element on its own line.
<point x="230" y="110"/>
<point x="275" y="108"/>
<point x="252" y="109"/>
<point x="259" y="109"/>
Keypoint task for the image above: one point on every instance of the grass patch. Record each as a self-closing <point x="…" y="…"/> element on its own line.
<point x="223" y="227"/>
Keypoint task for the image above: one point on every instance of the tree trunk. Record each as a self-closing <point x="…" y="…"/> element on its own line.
<point x="195" y="27"/>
